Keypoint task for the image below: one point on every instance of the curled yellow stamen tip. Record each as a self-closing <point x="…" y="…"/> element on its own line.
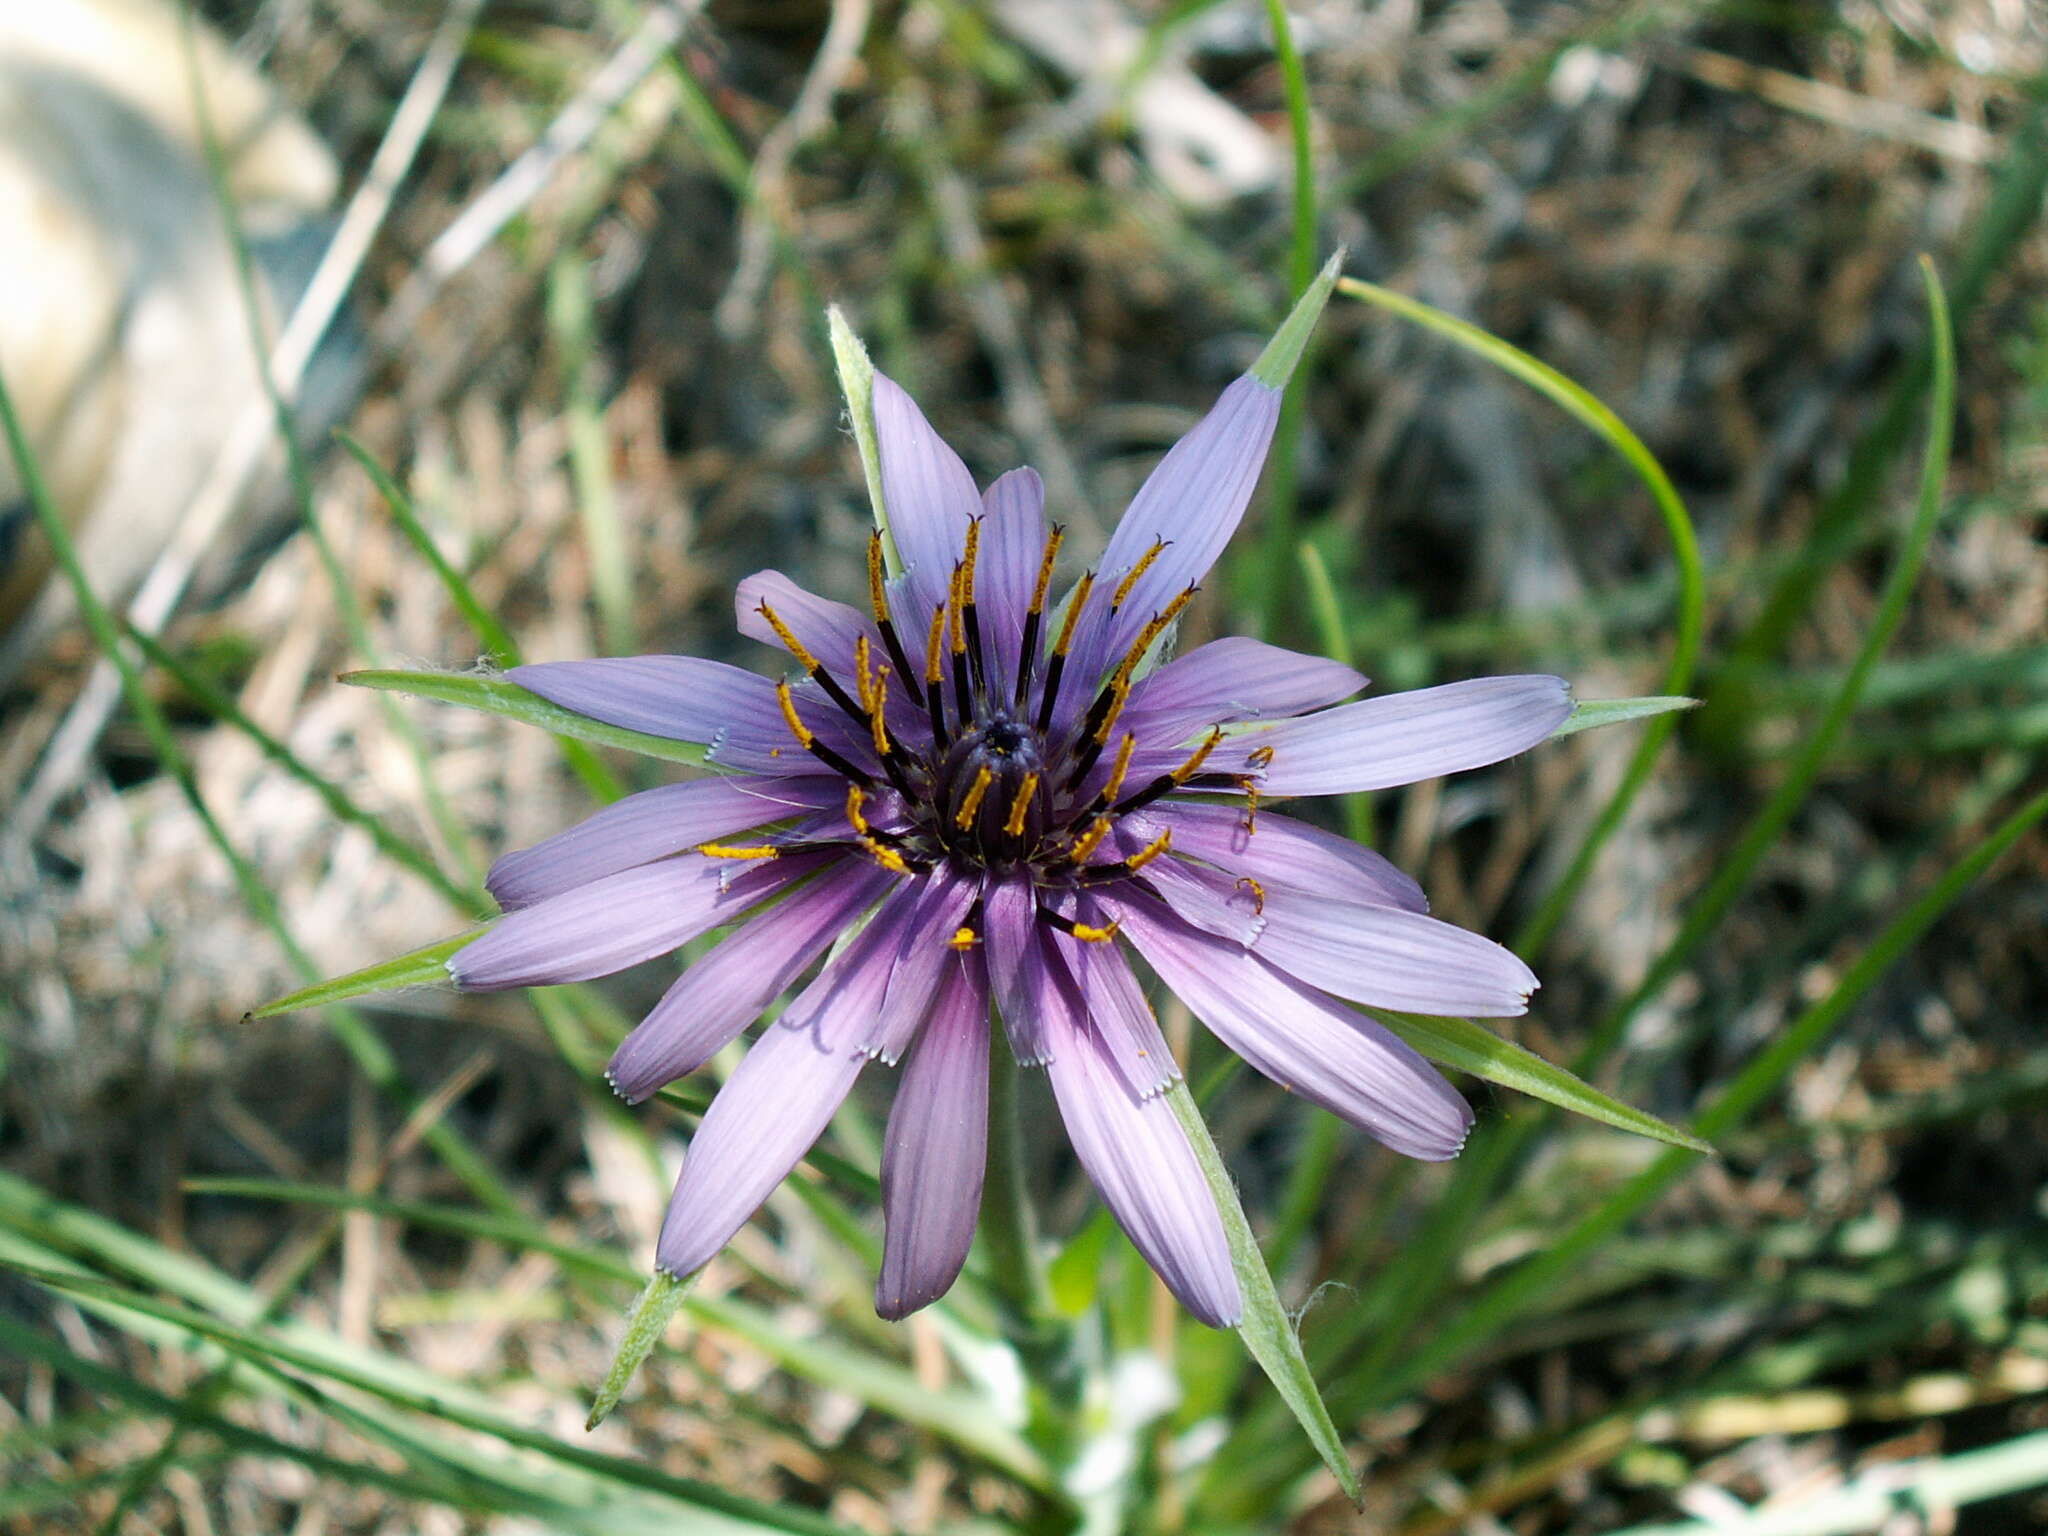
<point x="963" y="938"/>
<point x="723" y="851"/>
<point x="1088" y="933"/>
<point x="1258" y="893"/>
<point x="972" y="802"/>
<point x="856" y="814"/>
<point x="1053" y="541"/>
<point x="1192" y="766"/>
<point x="803" y="733"/>
<point x="1258" y="757"/>
<point x="1090" y="840"/>
<point x="885" y="856"/>
<point x="934" y="649"/>
<point x="1120" y="767"/>
<point x="1152" y="850"/>
<point x="790" y="643"/>
<point x="1074" y="606"/>
<point x="1123" y="588"/>
<point x="877" y="594"/>
<point x="1251" y="806"/>
<point x="1015" y="825"/>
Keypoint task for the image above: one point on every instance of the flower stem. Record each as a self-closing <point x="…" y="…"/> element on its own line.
<point x="1007" y="1222"/>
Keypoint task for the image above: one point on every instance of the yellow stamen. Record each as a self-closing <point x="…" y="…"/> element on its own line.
<point x="964" y="938"/>
<point x="1119" y="768"/>
<point x="1119" y="691"/>
<point x="722" y="851"/>
<point x="1150" y="851"/>
<point x="862" y="653"/>
<point x="1188" y="769"/>
<point x="856" y="799"/>
<point x="956" y="604"/>
<point x="1074" y="606"/>
<point x="878" y="719"/>
<point x="982" y="779"/>
<point x="1258" y="893"/>
<point x="1123" y="588"/>
<point x="1090" y="840"/>
<point x="1052" y="551"/>
<point x="1153" y="629"/>
<point x="790" y="643"/>
<point x="1015" y="825"/>
<point x="1258" y="757"/>
<point x="967" y="560"/>
<point x="1088" y="933"/>
<point x="1251" y="806"/>
<point x="803" y="733"/>
<point x="934" y="649"/>
<point x="885" y="856"/>
<point x="877" y="598"/>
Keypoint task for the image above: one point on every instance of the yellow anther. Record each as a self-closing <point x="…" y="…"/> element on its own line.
<point x="1154" y="628"/>
<point x="1151" y="850"/>
<point x="803" y="733"/>
<point x="1074" y="606"/>
<point x="967" y="558"/>
<point x="1258" y="893"/>
<point x="956" y="604"/>
<point x="856" y="814"/>
<point x="1258" y="757"/>
<point x="1015" y="825"/>
<point x="1090" y="840"/>
<point x="1251" y="805"/>
<point x="972" y="803"/>
<point x="1052" y="553"/>
<point x="1119" y="691"/>
<point x="1188" y="769"/>
<point x="878" y="720"/>
<point x="877" y="595"/>
<point x="1118" y="768"/>
<point x="964" y="938"/>
<point x="935" y="649"/>
<point x="790" y="643"/>
<point x="1123" y="588"/>
<point x="1088" y="933"/>
<point x="885" y="856"/>
<point x="862" y="653"/>
<point x="722" y="851"/>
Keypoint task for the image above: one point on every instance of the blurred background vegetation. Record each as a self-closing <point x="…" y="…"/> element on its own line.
<point x="583" y="252"/>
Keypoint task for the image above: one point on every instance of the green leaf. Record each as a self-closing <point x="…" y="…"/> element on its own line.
<point x="495" y="696"/>
<point x="1470" y="1047"/>
<point x="421" y="967"/>
<point x="1267" y="1331"/>
<point x="857" y="383"/>
<point x="1276" y="363"/>
<point x="652" y="1314"/>
<point x="1589" y="714"/>
<point x="1075" y="1274"/>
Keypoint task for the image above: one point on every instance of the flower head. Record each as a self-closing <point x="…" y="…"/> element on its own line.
<point x="990" y="797"/>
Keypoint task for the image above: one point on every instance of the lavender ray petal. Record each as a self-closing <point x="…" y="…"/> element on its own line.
<point x="1278" y="851"/>
<point x="1123" y="1020"/>
<point x="1194" y="500"/>
<point x="620" y="920"/>
<point x="937" y="1146"/>
<point x="829" y="630"/>
<point x="1233" y="679"/>
<point x="927" y="945"/>
<point x="1010" y="943"/>
<point x="930" y="498"/>
<point x="1140" y="1162"/>
<point x="729" y="987"/>
<point x="1327" y="1053"/>
<point x="653" y="825"/>
<point x="683" y="698"/>
<point x="1006" y="571"/>
<point x="1400" y="738"/>
<point x="1387" y="958"/>
<point x="1210" y="899"/>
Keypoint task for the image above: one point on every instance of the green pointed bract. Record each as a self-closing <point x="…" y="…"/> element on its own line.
<point x="495" y="696"/>
<point x="1276" y="364"/>
<point x="423" y="967"/>
<point x="658" y="1304"/>
<point x="1588" y="714"/>
<point x="857" y="383"/>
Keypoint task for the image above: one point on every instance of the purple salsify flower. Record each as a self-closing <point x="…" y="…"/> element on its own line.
<point x="1003" y="791"/>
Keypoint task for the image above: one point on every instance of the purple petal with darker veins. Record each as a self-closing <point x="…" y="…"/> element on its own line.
<point x="828" y="630"/>
<point x="1308" y="1044"/>
<point x="653" y="825"/>
<point x="683" y="698"/>
<point x="1401" y="738"/>
<point x="726" y="990"/>
<point x="620" y="920"/>
<point x="1010" y="942"/>
<point x="1278" y="851"/>
<point x="927" y="945"/>
<point x="1123" y="1020"/>
<point x="1387" y="958"/>
<point x="1233" y="679"/>
<point x="1140" y="1162"/>
<point x="1193" y="500"/>
<point x="1006" y="569"/>
<point x="930" y="499"/>
<point x="937" y="1146"/>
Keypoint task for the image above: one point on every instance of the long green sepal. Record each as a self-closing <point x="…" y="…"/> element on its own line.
<point x="1267" y="1331"/>
<point x="495" y="696"/>
<point x="655" y="1310"/>
<point x="1469" y="1047"/>
<point x="857" y="383"/>
<point x="1590" y="714"/>
<point x="423" y="967"/>
<point x="1276" y="363"/>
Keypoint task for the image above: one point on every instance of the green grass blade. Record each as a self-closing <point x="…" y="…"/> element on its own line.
<point x="495" y="696"/>
<point x="1469" y="1047"/>
<point x="422" y="967"/>
<point x="1267" y="1330"/>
